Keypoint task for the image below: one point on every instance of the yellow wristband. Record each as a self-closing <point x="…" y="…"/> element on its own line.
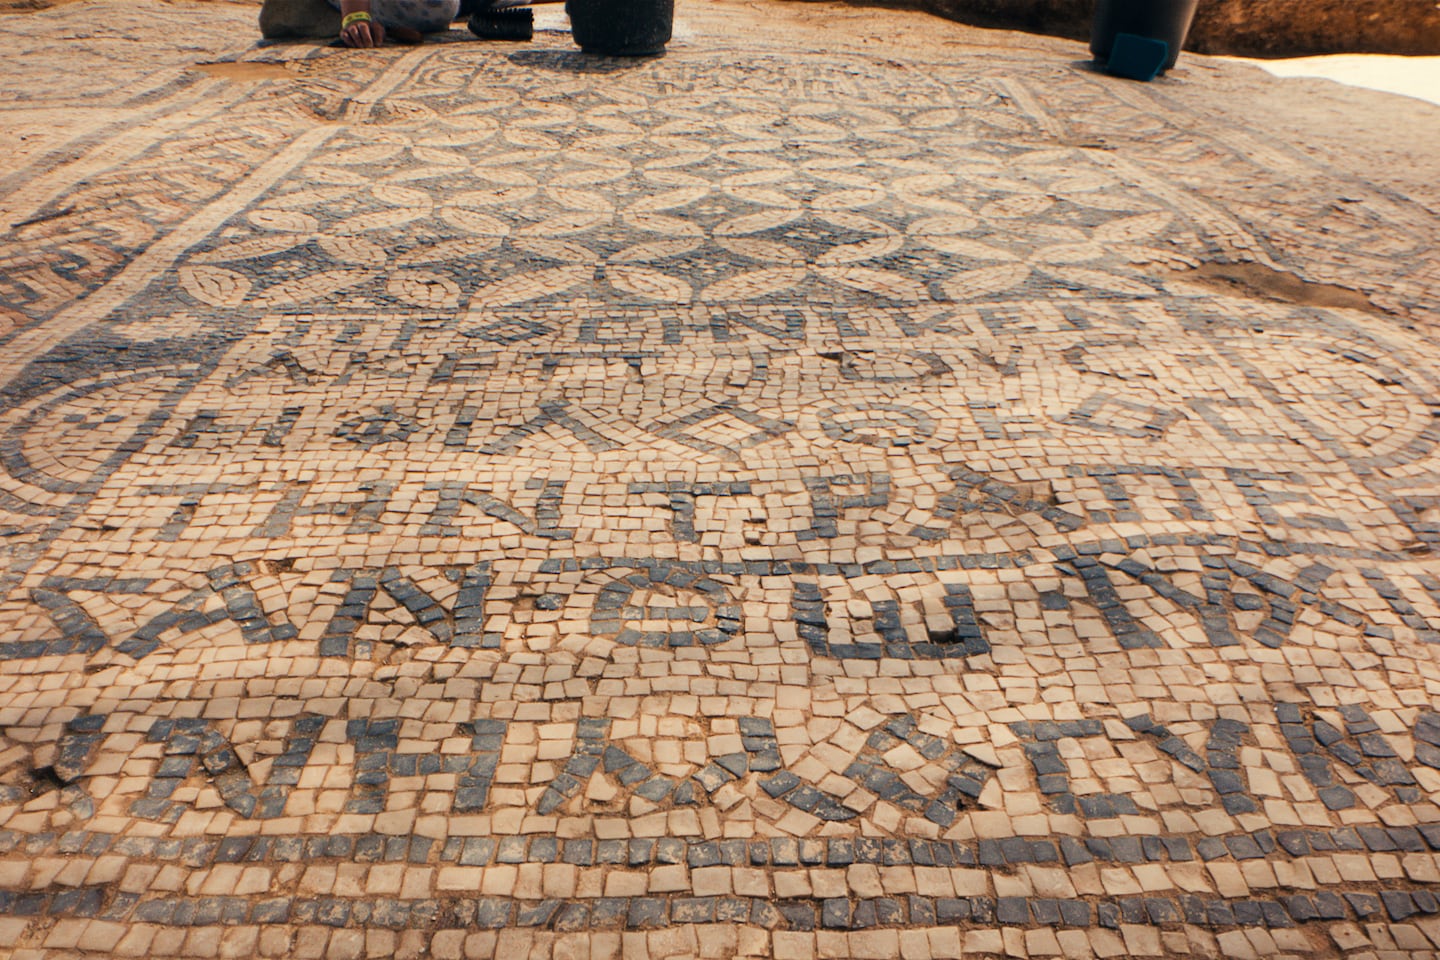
<point x="359" y="16"/>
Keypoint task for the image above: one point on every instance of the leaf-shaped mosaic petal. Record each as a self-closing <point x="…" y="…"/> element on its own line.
<point x="1083" y="183"/>
<point x="670" y="199"/>
<point x="766" y="251"/>
<point x="942" y="226"/>
<point x="309" y="289"/>
<point x="474" y="222"/>
<point x="859" y="252"/>
<point x="424" y="289"/>
<point x="970" y="249"/>
<point x="1018" y="205"/>
<point x="397" y="196"/>
<point x="248" y="249"/>
<point x="495" y="197"/>
<point x="531" y="285"/>
<point x="1132" y="229"/>
<point x="755" y="178"/>
<point x="650" y="284"/>
<point x="922" y="184"/>
<point x="662" y="224"/>
<point x="565" y="251"/>
<point x="436" y="157"/>
<point x="757" y="222"/>
<point x="592" y="176"/>
<point x="353" y="250"/>
<point x="378" y="220"/>
<point x="370" y="153"/>
<point x="573" y="221"/>
<point x="986" y="281"/>
<point x="586" y="200"/>
<point x="765" y="198"/>
<point x="530" y="138"/>
<point x="1004" y="121"/>
<point x="215" y="285"/>
<point x="752" y="285"/>
<point x="932" y="119"/>
<point x="283" y="221"/>
<point x="1099" y="280"/>
<point x="447" y="251"/>
<point x="1072" y="253"/>
<point x="312" y="196"/>
<point x="885" y="283"/>
<point x="655" y="250"/>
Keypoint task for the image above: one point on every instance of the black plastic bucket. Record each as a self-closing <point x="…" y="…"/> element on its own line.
<point x="1167" y="20"/>
<point x="621" y="28"/>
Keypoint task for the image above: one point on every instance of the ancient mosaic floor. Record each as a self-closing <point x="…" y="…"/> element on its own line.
<point x="483" y="500"/>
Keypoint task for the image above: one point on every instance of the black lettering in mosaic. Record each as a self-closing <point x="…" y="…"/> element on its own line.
<point x="1211" y="410"/>
<point x="899" y="368"/>
<point x="724" y="430"/>
<point x="681" y="497"/>
<point x="902" y="764"/>
<point x="556" y="413"/>
<point x="779" y="322"/>
<point x="377" y="760"/>
<point x="1114" y="483"/>
<point x="1427" y="629"/>
<point x="1221" y="762"/>
<point x="1106" y="413"/>
<point x="1129" y="632"/>
<point x="79" y="633"/>
<point x="1008" y="367"/>
<point x="276" y="433"/>
<point x="1052" y="773"/>
<point x="243" y="607"/>
<point x="188" y="498"/>
<point x="1359" y="746"/>
<point x="1264" y="491"/>
<point x="239" y="604"/>
<point x="385" y="425"/>
<point x="995" y="425"/>
<point x="877" y="424"/>
<point x="593" y="752"/>
<point x="364" y="513"/>
<point x="960" y="636"/>
<point x="452" y="497"/>
<point x="1013" y="318"/>
<point x="510" y="328"/>
<point x="281" y="362"/>
<point x="202" y="423"/>
<point x="464" y="368"/>
<point x="665" y="605"/>
<point x="193" y="748"/>
<point x="974" y="491"/>
<point x="462" y="625"/>
<point x="826" y="506"/>
<point x="1278" y="600"/>
<point x="459" y="433"/>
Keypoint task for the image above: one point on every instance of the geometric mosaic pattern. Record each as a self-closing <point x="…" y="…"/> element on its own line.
<point x="481" y="498"/>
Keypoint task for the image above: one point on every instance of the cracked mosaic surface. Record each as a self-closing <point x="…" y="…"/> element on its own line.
<point x="473" y="499"/>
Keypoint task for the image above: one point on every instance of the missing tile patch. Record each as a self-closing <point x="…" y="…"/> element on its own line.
<point x="245" y="70"/>
<point x="1258" y="281"/>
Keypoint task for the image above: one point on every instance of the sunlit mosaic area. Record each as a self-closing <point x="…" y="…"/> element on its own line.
<point x="463" y="503"/>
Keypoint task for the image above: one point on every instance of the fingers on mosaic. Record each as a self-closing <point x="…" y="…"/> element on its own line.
<point x="727" y="497"/>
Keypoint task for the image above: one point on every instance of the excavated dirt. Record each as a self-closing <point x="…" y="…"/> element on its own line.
<point x="1257" y="281"/>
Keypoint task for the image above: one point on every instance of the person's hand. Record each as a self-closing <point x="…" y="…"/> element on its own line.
<point x="363" y="33"/>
